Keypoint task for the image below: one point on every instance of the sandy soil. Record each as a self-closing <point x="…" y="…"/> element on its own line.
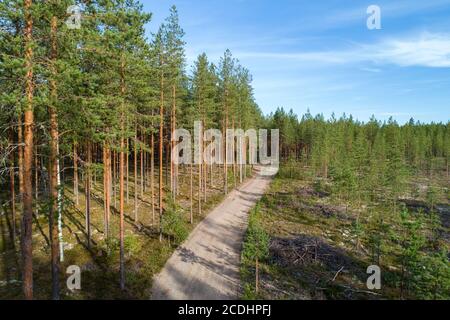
<point x="206" y="266"/>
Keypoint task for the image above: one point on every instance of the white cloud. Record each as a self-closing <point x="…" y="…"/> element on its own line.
<point x="429" y="50"/>
<point x="426" y="50"/>
<point x="373" y="70"/>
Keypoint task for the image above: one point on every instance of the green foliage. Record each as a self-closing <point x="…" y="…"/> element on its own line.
<point x="424" y="275"/>
<point x="376" y="231"/>
<point x="249" y="292"/>
<point x="254" y="251"/>
<point x="132" y="244"/>
<point x="434" y="279"/>
<point x="412" y="241"/>
<point x="431" y="197"/>
<point x="204" y="91"/>
<point x="291" y="170"/>
<point x="256" y="245"/>
<point x="173" y="223"/>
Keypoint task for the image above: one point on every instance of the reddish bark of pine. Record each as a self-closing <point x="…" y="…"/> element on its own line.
<point x="27" y="197"/>
<point x="161" y="141"/>
<point x="87" y="188"/>
<point x="122" y="175"/>
<point x="12" y="190"/>
<point x="107" y="187"/>
<point x="75" y="174"/>
<point x="53" y="170"/>
<point x="152" y="178"/>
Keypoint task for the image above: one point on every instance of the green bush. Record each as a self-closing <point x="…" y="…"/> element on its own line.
<point x="132" y="245"/>
<point x="249" y="292"/>
<point x="256" y="245"/>
<point x="174" y="224"/>
<point x="434" y="278"/>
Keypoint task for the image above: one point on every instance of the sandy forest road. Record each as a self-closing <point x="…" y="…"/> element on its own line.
<point x="206" y="265"/>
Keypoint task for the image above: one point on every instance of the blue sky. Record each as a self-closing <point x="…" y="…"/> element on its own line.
<point x="321" y="55"/>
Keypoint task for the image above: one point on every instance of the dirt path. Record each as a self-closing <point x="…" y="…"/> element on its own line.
<point x="206" y="266"/>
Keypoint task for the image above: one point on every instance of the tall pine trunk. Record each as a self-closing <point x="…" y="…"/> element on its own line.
<point x="234" y="155"/>
<point x="27" y="197"/>
<point x="114" y="177"/>
<point x="200" y="145"/>
<point x="171" y="144"/>
<point x="122" y="174"/>
<point x="142" y="172"/>
<point x="192" y="195"/>
<point x="211" y="168"/>
<point x="152" y="176"/>
<point x="36" y="178"/>
<point x="122" y="264"/>
<point x="161" y="142"/>
<point x="135" y="174"/>
<point x="87" y="188"/>
<point x="75" y="174"/>
<point x="242" y="157"/>
<point x="205" y="168"/>
<point x="225" y="166"/>
<point x="107" y="187"/>
<point x="173" y="165"/>
<point x="20" y="148"/>
<point x="12" y="189"/>
<point x="144" y="165"/>
<point x="54" y="167"/>
<point x="127" y="167"/>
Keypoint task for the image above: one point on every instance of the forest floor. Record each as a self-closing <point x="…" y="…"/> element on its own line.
<point x="206" y="265"/>
<point x="145" y="255"/>
<point x="313" y="250"/>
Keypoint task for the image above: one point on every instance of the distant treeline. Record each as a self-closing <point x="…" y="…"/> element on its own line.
<point x="329" y="144"/>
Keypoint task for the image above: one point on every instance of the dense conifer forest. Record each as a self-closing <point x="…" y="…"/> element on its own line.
<point x="88" y="176"/>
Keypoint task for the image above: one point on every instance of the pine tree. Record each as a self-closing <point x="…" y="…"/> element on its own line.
<point x="124" y="22"/>
<point x="203" y="91"/>
<point x="27" y="197"/>
<point x="256" y="246"/>
<point x="226" y="72"/>
<point x="160" y="51"/>
<point x="175" y="65"/>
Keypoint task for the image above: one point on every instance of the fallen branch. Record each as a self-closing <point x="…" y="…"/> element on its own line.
<point x="337" y="273"/>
